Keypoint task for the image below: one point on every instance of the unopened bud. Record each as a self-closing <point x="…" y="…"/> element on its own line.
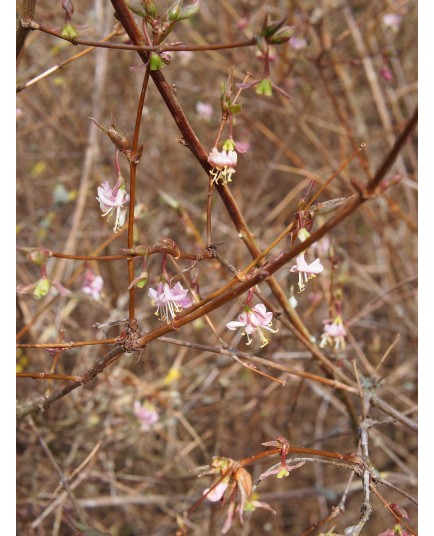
<point x="150" y="8"/>
<point x="166" y="58"/>
<point x="69" y="31"/>
<point x="156" y="62"/>
<point x="229" y="145"/>
<point x="264" y="88"/>
<point x="118" y="138"/>
<point x="140" y="281"/>
<point x="328" y="206"/>
<point x="42" y="288"/>
<point x="68" y="6"/>
<point x="269" y="30"/>
<point x="115" y="134"/>
<point x="188" y="11"/>
<point x="283" y="35"/>
<point x="38" y="256"/>
<point x="262" y="45"/>
<point x="174" y="10"/>
<point x="137" y="7"/>
<point x="303" y="234"/>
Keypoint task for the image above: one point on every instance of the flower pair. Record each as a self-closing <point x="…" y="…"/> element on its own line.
<point x="169" y="300"/>
<point x="253" y="320"/>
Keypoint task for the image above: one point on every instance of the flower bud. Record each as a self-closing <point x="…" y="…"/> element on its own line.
<point x="264" y="88"/>
<point x="42" y="287"/>
<point x="137" y="7"/>
<point x="156" y="62"/>
<point x="190" y="10"/>
<point x="283" y="35"/>
<point x="173" y="11"/>
<point x="39" y="256"/>
<point x="268" y="30"/>
<point x="69" y="31"/>
<point x="262" y="45"/>
<point x="115" y="134"/>
<point x="150" y="8"/>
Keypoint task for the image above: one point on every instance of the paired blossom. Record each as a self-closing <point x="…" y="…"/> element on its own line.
<point x="113" y="201"/>
<point x="334" y="334"/>
<point x="254" y="320"/>
<point x="169" y="300"/>
<point x="146" y="414"/>
<point x="306" y="271"/>
<point x="223" y="162"/>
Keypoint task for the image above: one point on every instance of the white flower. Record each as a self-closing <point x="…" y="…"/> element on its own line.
<point x="334" y="334"/>
<point x="169" y="300"/>
<point x="253" y="320"/>
<point x="306" y="271"/>
<point x="147" y="414"/>
<point x="112" y="200"/>
<point x="92" y="284"/>
<point x="223" y="162"/>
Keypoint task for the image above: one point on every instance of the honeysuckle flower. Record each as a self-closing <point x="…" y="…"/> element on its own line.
<point x="391" y="20"/>
<point x="146" y="413"/>
<point x="92" y="284"/>
<point x="217" y="492"/>
<point x="233" y="483"/>
<point x="169" y="300"/>
<point x="254" y="320"/>
<point x="204" y="110"/>
<point x="306" y="271"/>
<point x="297" y="43"/>
<point x="112" y="201"/>
<point x="334" y="334"/>
<point x="223" y="162"/>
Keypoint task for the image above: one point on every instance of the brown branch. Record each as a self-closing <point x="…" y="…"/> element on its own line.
<point x="27" y="15"/>
<point x="29" y="24"/>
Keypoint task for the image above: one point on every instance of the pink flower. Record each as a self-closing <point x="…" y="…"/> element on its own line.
<point x="223" y="162"/>
<point x="112" y="200"/>
<point x="396" y="530"/>
<point x="147" y="414"/>
<point x="169" y="300"/>
<point x="204" y="110"/>
<point x="217" y="492"/>
<point x="297" y="43"/>
<point x="391" y="20"/>
<point x="254" y="320"/>
<point x="92" y="284"/>
<point x="386" y="74"/>
<point x="334" y="334"/>
<point x="306" y="271"/>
